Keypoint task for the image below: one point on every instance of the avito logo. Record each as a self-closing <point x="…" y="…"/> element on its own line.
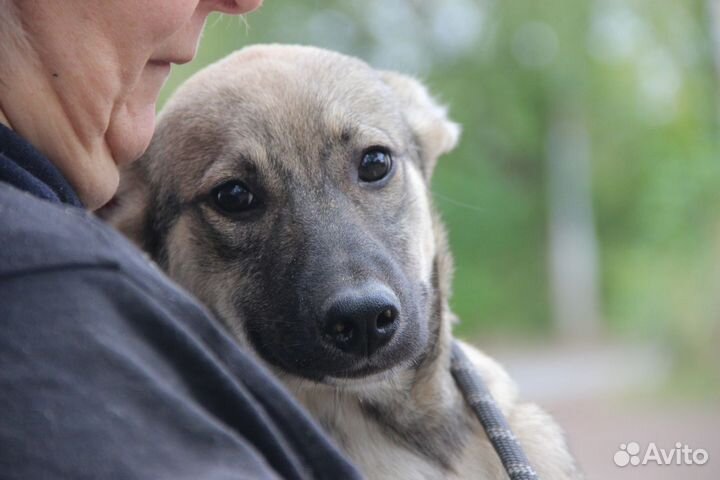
<point x="629" y="454"/>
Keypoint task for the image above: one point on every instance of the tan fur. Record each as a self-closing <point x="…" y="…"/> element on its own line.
<point x="193" y="150"/>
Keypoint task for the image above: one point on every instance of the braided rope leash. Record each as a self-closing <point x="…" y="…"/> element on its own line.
<point x="493" y="421"/>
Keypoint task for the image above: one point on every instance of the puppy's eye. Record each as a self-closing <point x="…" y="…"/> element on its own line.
<point x="233" y="197"/>
<point x="375" y="165"/>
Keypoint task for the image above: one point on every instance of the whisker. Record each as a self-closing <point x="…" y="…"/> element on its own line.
<point x="459" y="203"/>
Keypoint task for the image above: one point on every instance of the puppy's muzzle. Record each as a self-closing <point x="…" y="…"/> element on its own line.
<point x="361" y="321"/>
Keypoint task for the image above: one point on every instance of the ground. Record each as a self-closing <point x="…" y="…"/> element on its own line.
<point x="608" y="395"/>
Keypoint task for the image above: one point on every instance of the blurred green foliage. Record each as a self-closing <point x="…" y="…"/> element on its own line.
<point x="640" y="75"/>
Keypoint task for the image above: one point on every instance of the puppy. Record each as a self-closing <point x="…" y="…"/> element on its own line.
<point x="287" y="187"/>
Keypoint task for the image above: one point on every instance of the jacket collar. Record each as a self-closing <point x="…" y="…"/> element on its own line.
<point x="25" y="168"/>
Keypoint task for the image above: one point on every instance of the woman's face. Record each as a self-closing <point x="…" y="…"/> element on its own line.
<point x="108" y="60"/>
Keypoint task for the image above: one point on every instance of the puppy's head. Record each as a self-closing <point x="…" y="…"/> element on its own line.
<point x="286" y="187"/>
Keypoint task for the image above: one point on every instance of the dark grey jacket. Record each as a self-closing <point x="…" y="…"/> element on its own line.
<point x="109" y="370"/>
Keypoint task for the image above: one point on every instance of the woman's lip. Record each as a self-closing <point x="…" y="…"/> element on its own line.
<point x="160" y="66"/>
<point x="160" y="63"/>
<point x="177" y="59"/>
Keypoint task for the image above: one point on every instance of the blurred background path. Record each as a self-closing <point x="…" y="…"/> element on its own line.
<point x="605" y="395"/>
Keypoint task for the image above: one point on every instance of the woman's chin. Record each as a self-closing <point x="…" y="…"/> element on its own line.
<point x="133" y="122"/>
<point x="129" y="134"/>
<point x="101" y="192"/>
<point x="96" y="181"/>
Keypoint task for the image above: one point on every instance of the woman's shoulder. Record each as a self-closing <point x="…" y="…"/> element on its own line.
<point x="38" y="237"/>
<point x="37" y="234"/>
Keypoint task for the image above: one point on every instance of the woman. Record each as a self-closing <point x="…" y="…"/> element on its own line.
<point x="107" y="369"/>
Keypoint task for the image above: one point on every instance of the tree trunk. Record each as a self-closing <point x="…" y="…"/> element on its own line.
<point x="572" y="242"/>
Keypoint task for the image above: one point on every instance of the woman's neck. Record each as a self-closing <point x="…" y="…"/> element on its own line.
<point x="31" y="107"/>
<point x="4" y="120"/>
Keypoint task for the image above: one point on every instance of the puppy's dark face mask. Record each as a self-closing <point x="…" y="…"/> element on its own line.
<point x="295" y="205"/>
<point x="323" y="236"/>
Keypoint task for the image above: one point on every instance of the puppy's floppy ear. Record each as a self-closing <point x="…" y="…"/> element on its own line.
<point x="435" y="133"/>
<point x="129" y="210"/>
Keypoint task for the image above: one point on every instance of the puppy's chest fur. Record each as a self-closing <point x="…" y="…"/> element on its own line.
<point x="418" y="431"/>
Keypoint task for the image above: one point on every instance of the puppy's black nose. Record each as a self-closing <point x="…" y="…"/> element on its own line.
<point x="360" y="322"/>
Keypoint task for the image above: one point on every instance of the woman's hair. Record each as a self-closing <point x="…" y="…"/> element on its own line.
<point x="13" y="38"/>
